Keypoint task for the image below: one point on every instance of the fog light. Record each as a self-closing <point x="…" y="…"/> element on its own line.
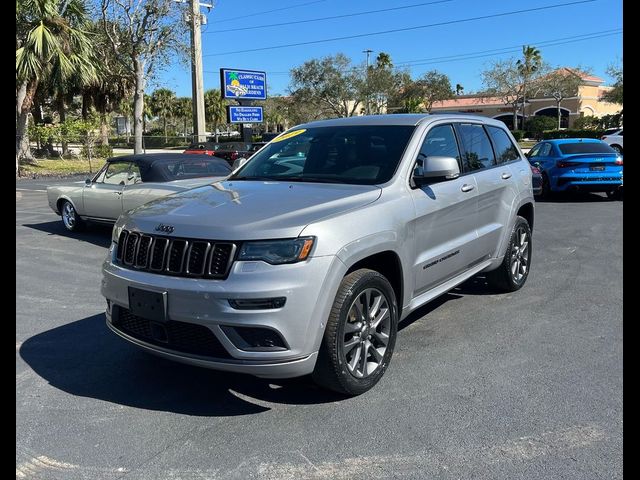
<point x="258" y="303"/>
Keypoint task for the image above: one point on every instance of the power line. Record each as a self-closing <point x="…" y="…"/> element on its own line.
<point x="396" y="30"/>
<point x="574" y="38"/>
<point x="484" y="53"/>
<point x="367" y="12"/>
<point x="269" y="11"/>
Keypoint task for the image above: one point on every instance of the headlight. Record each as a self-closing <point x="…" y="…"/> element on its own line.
<point x="277" y="252"/>
<point x="115" y="233"/>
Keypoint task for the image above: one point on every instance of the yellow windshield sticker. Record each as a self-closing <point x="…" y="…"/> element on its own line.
<point x="285" y="136"/>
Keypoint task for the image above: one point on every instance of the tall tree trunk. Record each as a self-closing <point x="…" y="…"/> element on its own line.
<point x="559" y="116"/>
<point x="515" y="115"/>
<point x="215" y="131"/>
<point x="165" y="130"/>
<point x="22" y="136"/>
<point x="127" y="127"/>
<point x="104" y="128"/>
<point x="185" y="126"/>
<point x="138" y="105"/>
<point x="62" y="113"/>
<point x="524" y="99"/>
<point x="86" y="104"/>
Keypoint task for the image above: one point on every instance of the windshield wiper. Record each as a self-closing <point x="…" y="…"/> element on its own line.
<point x="312" y="179"/>
<point x="252" y="177"/>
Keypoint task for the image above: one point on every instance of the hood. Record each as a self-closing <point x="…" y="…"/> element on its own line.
<point x="249" y="210"/>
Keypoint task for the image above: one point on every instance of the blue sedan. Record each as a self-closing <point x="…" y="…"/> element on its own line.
<point x="578" y="164"/>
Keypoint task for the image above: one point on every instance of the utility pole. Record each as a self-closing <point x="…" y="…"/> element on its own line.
<point x="197" y="79"/>
<point x="367" y="52"/>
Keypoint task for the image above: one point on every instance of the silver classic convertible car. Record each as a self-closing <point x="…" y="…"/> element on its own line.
<point x="129" y="181"/>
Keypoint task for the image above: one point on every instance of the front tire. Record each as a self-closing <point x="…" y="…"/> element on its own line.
<point x="514" y="269"/>
<point x="360" y="336"/>
<point x="70" y="218"/>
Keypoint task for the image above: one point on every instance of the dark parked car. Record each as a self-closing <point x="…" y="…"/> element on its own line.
<point x="536" y="180"/>
<point x="203" y="148"/>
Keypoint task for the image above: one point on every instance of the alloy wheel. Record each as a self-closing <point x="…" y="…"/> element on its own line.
<point x="366" y="333"/>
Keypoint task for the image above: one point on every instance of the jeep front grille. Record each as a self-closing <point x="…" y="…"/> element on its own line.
<point x="175" y="256"/>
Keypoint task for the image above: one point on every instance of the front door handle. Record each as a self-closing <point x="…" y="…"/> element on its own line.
<point x="506" y="175"/>
<point x="118" y="193"/>
<point x="466" y="187"/>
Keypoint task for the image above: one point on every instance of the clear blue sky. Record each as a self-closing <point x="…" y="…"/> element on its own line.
<point x="599" y="17"/>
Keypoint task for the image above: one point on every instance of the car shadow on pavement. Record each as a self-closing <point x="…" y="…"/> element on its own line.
<point x="574" y="197"/>
<point x="99" y="235"/>
<point x="84" y="358"/>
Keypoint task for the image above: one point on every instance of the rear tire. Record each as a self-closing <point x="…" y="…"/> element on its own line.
<point x="360" y="336"/>
<point x="614" y="194"/>
<point x="512" y="273"/>
<point x="545" y="193"/>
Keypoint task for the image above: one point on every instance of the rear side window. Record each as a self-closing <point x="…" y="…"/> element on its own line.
<point x="585" y="147"/>
<point x="506" y="151"/>
<point x="476" y="147"/>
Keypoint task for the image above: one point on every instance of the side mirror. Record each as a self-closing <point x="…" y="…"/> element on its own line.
<point x="436" y="168"/>
<point x="239" y="162"/>
<point x="87" y="181"/>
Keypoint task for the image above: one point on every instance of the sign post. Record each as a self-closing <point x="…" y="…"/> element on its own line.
<point x="244" y="86"/>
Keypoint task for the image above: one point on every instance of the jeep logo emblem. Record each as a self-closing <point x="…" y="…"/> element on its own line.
<point x="165" y="228"/>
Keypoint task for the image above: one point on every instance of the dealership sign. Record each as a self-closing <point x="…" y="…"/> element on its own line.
<point x="243" y="84"/>
<point x="241" y="114"/>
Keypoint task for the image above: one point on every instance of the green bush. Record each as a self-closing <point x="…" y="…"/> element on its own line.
<point x="548" y="135"/>
<point x="518" y="134"/>
<point x="534" y="126"/>
<point x="590" y="122"/>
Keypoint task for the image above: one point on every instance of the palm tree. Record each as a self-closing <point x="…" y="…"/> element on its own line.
<point x="162" y="101"/>
<point x="183" y="108"/>
<point x="49" y="44"/>
<point x="459" y="89"/>
<point x="215" y="110"/>
<point x="530" y="64"/>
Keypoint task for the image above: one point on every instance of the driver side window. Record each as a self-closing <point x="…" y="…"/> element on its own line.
<point x="117" y="173"/>
<point x="439" y="142"/>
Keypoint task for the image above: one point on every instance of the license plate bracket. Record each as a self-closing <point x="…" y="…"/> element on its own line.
<point x="148" y="304"/>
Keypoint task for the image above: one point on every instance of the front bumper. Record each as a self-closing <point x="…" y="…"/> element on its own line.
<point x="309" y="288"/>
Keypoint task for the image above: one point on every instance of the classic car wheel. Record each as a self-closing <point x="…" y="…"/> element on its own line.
<point x="70" y="218"/>
<point x="360" y="335"/>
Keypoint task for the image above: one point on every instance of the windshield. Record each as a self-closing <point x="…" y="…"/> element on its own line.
<point x="363" y="155"/>
<point x="585" y="147"/>
<point x="189" y="167"/>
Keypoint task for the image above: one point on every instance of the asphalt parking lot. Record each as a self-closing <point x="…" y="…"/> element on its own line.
<point x="524" y="385"/>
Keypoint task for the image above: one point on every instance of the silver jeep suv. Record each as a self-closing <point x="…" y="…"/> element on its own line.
<point x="308" y="256"/>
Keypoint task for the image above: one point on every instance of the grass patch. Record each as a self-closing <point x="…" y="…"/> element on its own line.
<point x="54" y="167"/>
<point x="526" y="144"/>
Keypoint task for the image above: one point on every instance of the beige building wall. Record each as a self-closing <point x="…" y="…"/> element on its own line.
<point x="586" y="103"/>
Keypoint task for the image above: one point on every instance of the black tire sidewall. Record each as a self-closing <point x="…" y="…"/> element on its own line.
<point x="519" y="222"/>
<point x="350" y="383"/>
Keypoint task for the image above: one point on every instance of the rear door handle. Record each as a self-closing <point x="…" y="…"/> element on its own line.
<point x="506" y="176"/>
<point x="466" y="187"/>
